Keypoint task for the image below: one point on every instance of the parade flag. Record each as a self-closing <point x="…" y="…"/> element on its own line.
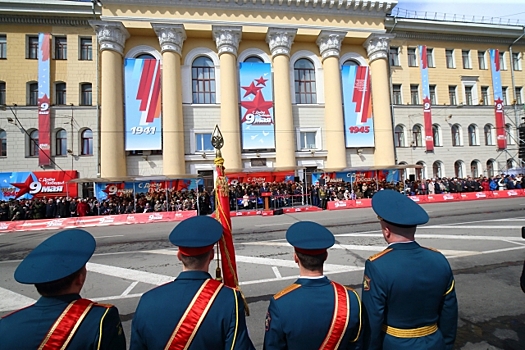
<point x="44" y="120"/>
<point x="427" y="113"/>
<point x="498" y="99"/>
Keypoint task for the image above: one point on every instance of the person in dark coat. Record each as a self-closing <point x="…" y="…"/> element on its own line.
<point x="51" y="209"/>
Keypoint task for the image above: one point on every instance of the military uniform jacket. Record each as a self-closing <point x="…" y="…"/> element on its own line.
<point x="407" y="287"/>
<point x="160" y="310"/>
<point x="27" y="328"/>
<point x="299" y="317"/>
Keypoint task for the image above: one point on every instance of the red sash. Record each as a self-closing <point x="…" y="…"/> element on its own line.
<point x="340" y="319"/>
<point x="194" y="315"/>
<point x="66" y="325"/>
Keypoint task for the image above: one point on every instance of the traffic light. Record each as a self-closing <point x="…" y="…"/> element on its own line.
<point x="521" y="151"/>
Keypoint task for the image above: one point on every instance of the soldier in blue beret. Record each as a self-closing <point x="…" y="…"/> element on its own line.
<point x="314" y="312"/>
<point x="408" y="290"/>
<point x="61" y="319"/>
<point x="194" y="311"/>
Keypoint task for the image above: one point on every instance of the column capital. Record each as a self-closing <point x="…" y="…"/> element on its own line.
<point x="280" y="40"/>
<point x="329" y="43"/>
<point x="110" y="35"/>
<point x="171" y="36"/>
<point x="377" y="46"/>
<point x="227" y="38"/>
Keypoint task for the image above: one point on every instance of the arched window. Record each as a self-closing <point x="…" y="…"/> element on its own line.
<point x="3" y="143"/>
<point x="421" y="172"/>
<point x="417" y="138"/>
<point x="490" y="168"/>
<point x="511" y="163"/>
<point x="436" y="134"/>
<point x="509" y="132"/>
<point x="437" y="169"/>
<point x="203" y="80"/>
<point x="458" y="169"/>
<point x="146" y="56"/>
<point x="489" y="136"/>
<point x="399" y="138"/>
<point x="61" y="143"/>
<point x="456" y="135"/>
<point x="472" y="135"/>
<point x="475" y="168"/>
<point x="33" y="143"/>
<point x="32" y="94"/>
<point x="350" y="63"/>
<point x="304" y="79"/>
<point x="60" y="93"/>
<point x="86" y="137"/>
<point x="253" y="59"/>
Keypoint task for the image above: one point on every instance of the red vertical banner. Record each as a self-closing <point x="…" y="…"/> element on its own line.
<point x="427" y="112"/>
<point x="498" y="99"/>
<point x="44" y="120"/>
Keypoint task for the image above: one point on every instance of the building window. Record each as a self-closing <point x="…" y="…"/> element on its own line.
<point x="436" y="133"/>
<point x="465" y="55"/>
<point x="509" y="132"/>
<point x="489" y="141"/>
<point x="432" y="90"/>
<point x="519" y="98"/>
<point x="504" y="95"/>
<point x="60" y="93"/>
<point x="2" y="93"/>
<point x="452" y="95"/>
<point x="484" y="95"/>
<point x="86" y="137"/>
<point x="203" y="142"/>
<point x="394" y="56"/>
<point x="3" y="46"/>
<point x="399" y="138"/>
<point x="458" y="168"/>
<point x="456" y="135"/>
<point x="61" y="143"/>
<point x="430" y="58"/>
<point x="468" y="95"/>
<point x="472" y="135"/>
<point x="32" y="47"/>
<point x="32" y="98"/>
<point x="396" y="94"/>
<point x="3" y="143"/>
<point x="253" y="59"/>
<point x="414" y="94"/>
<point x="86" y="94"/>
<point x="516" y="60"/>
<point x="86" y="49"/>
<point x="308" y="140"/>
<point x="474" y="168"/>
<point x="412" y="57"/>
<point x="481" y="60"/>
<point x="437" y="169"/>
<point x="417" y="138"/>
<point x="449" y="54"/>
<point x="490" y="168"/>
<point x="203" y="80"/>
<point x="502" y="64"/>
<point x="304" y="77"/>
<point x="33" y="144"/>
<point x="60" y="48"/>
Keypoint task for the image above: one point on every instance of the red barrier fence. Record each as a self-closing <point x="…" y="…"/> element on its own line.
<point x="91" y="221"/>
<point x="433" y="198"/>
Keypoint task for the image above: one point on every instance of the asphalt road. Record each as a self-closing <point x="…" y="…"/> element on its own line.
<point x="482" y="240"/>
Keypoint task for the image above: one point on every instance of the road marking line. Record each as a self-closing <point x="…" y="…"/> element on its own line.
<point x="109" y="236"/>
<point x="432" y="236"/>
<point x="473" y="227"/>
<point x="276" y="272"/>
<point x="518" y="243"/>
<point x="501" y="250"/>
<point x="129" y="289"/>
<point x="13" y="301"/>
<point x="129" y="274"/>
<point x="281" y="224"/>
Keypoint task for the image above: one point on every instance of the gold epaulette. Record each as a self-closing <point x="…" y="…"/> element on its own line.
<point x="286" y="290"/>
<point x="107" y="306"/>
<point x="432" y="249"/>
<point x="380" y="254"/>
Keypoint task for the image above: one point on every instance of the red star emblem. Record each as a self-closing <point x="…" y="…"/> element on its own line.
<point x="257" y="105"/>
<point x="252" y="89"/>
<point x="261" y="81"/>
<point x="24" y="187"/>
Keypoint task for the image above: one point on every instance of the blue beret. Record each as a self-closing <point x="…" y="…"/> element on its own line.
<point x="57" y="257"/>
<point x="309" y="236"/>
<point x="196" y="232"/>
<point x="398" y="209"/>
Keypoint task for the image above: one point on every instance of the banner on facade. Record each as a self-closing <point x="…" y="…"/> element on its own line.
<point x="44" y="120"/>
<point x="37" y="184"/>
<point x="427" y="113"/>
<point x="260" y="177"/>
<point x="257" y="113"/>
<point x="104" y="190"/>
<point x="498" y="99"/>
<point x="143" y="104"/>
<point x="390" y="175"/>
<point x="357" y="100"/>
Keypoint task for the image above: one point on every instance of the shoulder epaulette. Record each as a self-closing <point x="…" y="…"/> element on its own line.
<point x="433" y="249"/>
<point x="350" y="288"/>
<point x="286" y="290"/>
<point x="107" y="306"/>
<point x="380" y="254"/>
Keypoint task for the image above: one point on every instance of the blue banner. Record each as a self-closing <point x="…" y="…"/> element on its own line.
<point x="143" y="104"/>
<point x="257" y="120"/>
<point x="103" y="190"/>
<point x="495" y="66"/>
<point x="392" y="175"/>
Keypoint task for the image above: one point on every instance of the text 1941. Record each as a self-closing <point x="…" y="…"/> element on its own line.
<point x="139" y="130"/>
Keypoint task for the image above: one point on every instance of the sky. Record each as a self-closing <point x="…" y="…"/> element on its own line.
<point x="512" y="10"/>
